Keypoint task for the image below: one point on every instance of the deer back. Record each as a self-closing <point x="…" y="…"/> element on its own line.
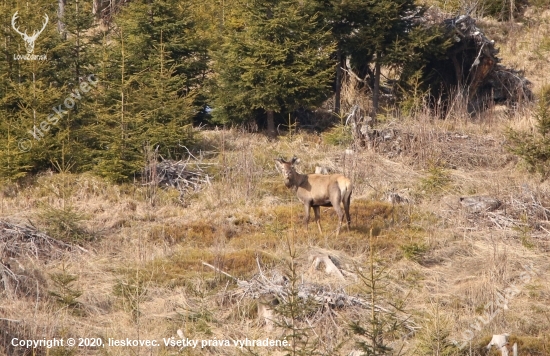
<point x="320" y="188"/>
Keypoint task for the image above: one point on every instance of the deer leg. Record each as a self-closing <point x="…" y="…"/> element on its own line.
<point x="347" y="200"/>
<point x="306" y="217"/>
<point x="338" y="208"/>
<point x="317" y="211"/>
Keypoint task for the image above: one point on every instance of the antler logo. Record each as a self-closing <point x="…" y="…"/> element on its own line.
<point x="29" y="40"/>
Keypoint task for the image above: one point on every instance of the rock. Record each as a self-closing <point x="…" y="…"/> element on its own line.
<point x="322" y="170"/>
<point x="478" y="204"/>
<point x="500" y="342"/>
<point x="397" y="198"/>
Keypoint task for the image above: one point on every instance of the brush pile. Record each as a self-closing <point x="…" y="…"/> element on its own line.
<point x="185" y="176"/>
<point x="21" y="247"/>
<point x="456" y="149"/>
<point x="25" y="241"/>
<point x="524" y="214"/>
<point x="320" y="300"/>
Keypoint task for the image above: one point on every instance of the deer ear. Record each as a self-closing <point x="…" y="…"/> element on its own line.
<point x="294" y="160"/>
<point x="278" y="163"/>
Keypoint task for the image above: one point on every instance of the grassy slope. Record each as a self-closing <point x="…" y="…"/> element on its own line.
<point x="143" y="274"/>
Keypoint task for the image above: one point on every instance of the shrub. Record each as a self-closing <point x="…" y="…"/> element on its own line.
<point x="65" y="293"/>
<point x="438" y="179"/>
<point x="414" y="251"/>
<point x="534" y="147"/>
<point x="65" y="224"/>
<point x="340" y="135"/>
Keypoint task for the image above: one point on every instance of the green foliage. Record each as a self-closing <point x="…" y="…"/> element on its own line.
<point x="132" y="291"/>
<point x="433" y="337"/>
<point x="65" y="224"/>
<point x="382" y="325"/>
<point x="34" y="88"/>
<point x="414" y="251"/>
<point x="274" y="57"/>
<point x="438" y="179"/>
<point x="534" y="147"/>
<point x="150" y="69"/>
<point x="524" y="231"/>
<point x="293" y="310"/>
<point x="426" y="45"/>
<point x="150" y="72"/>
<point x="412" y="93"/>
<point x="373" y="34"/>
<point x="65" y="292"/>
<point x="340" y="135"/>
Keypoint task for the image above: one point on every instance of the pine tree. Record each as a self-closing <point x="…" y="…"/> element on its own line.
<point x="76" y="58"/>
<point x="274" y="59"/>
<point x="384" y="324"/>
<point x="384" y="40"/>
<point x="345" y="19"/>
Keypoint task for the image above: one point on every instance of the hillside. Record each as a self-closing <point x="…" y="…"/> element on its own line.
<point x="426" y="274"/>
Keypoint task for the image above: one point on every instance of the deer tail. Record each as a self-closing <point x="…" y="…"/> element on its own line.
<point x="345" y="187"/>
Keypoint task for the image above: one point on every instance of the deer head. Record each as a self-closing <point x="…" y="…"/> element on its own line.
<point x="287" y="169"/>
<point x="29" y="40"/>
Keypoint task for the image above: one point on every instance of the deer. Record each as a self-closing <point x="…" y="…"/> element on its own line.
<point x="29" y="40"/>
<point x="317" y="190"/>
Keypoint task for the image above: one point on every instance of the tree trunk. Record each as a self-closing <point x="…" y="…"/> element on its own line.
<point x="338" y="88"/>
<point x="60" y="15"/>
<point x="96" y="11"/>
<point x="271" y="124"/>
<point x="376" y="89"/>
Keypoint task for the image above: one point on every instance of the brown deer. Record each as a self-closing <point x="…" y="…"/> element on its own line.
<point x="317" y="190"/>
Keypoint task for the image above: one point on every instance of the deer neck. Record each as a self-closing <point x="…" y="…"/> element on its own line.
<point x="296" y="181"/>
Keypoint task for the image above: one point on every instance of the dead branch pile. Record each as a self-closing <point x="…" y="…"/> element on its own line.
<point x="185" y="176"/>
<point x="277" y="288"/>
<point x="455" y="149"/>
<point x="25" y="241"/>
<point x="526" y="211"/>
<point x="17" y="245"/>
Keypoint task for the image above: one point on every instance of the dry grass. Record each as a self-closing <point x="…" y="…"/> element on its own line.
<point x="143" y="274"/>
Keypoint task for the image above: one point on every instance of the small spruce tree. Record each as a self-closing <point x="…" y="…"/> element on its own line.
<point x="534" y="147"/>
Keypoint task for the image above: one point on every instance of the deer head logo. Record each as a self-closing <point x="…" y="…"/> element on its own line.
<point x="29" y="40"/>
